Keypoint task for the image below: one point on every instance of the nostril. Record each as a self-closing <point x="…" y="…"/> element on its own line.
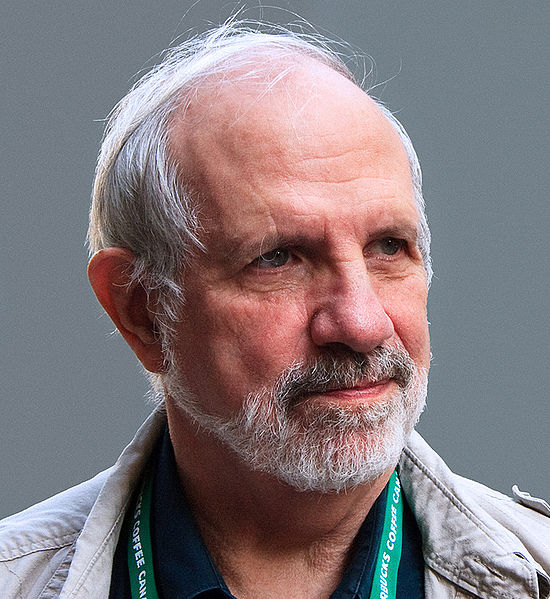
<point x="337" y="348"/>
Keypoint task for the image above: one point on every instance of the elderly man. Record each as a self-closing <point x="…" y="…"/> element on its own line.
<point x="260" y="242"/>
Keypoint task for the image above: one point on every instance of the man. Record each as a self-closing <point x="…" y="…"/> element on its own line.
<point x="260" y="242"/>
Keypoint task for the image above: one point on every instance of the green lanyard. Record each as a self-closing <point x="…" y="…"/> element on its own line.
<point x="140" y="550"/>
<point x="384" y="584"/>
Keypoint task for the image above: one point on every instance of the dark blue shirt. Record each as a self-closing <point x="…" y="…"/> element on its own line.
<point x="184" y="569"/>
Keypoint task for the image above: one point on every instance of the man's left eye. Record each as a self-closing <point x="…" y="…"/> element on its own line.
<point x="389" y="246"/>
<point x="273" y="259"/>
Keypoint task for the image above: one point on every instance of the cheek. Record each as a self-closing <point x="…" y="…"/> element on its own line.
<point x="407" y="311"/>
<point x="271" y="332"/>
<point x="245" y="342"/>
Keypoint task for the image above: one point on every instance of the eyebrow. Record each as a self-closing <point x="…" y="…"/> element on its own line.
<point x="243" y="250"/>
<point x="407" y="230"/>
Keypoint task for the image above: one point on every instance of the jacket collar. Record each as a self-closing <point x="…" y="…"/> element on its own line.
<point x="96" y="545"/>
<point x="462" y="541"/>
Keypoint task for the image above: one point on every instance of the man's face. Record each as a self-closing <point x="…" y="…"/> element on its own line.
<point x="310" y="230"/>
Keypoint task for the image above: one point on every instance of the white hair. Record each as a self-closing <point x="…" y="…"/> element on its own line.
<point x="141" y="201"/>
<point x="325" y="448"/>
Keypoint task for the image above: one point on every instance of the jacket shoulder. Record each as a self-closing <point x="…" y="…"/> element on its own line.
<point x="535" y="503"/>
<point x="51" y="523"/>
<point x="454" y="505"/>
<point x="37" y="544"/>
<point x="524" y="516"/>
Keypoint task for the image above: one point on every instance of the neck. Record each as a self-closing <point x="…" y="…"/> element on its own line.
<point x="251" y="522"/>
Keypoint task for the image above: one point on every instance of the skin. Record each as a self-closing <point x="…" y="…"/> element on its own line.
<point x="314" y="170"/>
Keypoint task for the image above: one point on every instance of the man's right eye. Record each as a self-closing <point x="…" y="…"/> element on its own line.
<point x="273" y="259"/>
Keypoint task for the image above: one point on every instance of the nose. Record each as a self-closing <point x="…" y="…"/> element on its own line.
<point x="349" y="312"/>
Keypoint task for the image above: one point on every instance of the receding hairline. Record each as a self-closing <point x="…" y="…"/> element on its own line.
<point x="254" y="75"/>
<point x="226" y="97"/>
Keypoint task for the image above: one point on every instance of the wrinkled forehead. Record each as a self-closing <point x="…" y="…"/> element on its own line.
<point x="283" y="110"/>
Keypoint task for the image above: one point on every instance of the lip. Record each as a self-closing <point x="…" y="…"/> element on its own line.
<point x="362" y="392"/>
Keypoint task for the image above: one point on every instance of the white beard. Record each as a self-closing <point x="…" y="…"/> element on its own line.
<point x="313" y="446"/>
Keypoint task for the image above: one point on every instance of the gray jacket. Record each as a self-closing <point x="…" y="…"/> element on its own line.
<point x="476" y="542"/>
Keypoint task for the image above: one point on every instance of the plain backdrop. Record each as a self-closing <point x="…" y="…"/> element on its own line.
<point x="470" y="80"/>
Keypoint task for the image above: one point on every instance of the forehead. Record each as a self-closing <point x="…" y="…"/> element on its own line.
<point x="280" y="144"/>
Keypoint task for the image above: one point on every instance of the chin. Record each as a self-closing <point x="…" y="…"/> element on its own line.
<point x="312" y="444"/>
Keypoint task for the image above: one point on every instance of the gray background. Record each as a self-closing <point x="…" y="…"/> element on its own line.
<point x="469" y="79"/>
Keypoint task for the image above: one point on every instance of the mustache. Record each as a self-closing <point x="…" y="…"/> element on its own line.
<point x="343" y="369"/>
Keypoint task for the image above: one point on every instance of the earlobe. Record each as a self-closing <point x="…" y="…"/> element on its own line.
<point x="127" y="303"/>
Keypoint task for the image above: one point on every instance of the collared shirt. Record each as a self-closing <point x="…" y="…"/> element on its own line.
<point x="184" y="568"/>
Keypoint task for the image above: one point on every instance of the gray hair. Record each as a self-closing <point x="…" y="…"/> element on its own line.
<point x="140" y="201"/>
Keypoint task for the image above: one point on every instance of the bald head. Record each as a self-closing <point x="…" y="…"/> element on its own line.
<point x="295" y="120"/>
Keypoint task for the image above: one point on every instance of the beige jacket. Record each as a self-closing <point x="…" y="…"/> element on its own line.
<point x="476" y="542"/>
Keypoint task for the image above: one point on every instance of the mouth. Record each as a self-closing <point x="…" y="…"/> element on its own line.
<point x="368" y="391"/>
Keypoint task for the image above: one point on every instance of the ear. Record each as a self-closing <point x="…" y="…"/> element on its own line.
<point x="126" y="302"/>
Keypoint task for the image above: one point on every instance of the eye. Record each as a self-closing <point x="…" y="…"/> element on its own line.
<point x="273" y="259"/>
<point x="389" y="246"/>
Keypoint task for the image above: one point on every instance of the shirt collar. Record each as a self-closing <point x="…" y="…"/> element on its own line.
<point x="357" y="579"/>
<point x="183" y="565"/>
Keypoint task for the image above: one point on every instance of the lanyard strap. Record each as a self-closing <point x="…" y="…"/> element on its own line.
<point x="140" y="550"/>
<point x="384" y="584"/>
